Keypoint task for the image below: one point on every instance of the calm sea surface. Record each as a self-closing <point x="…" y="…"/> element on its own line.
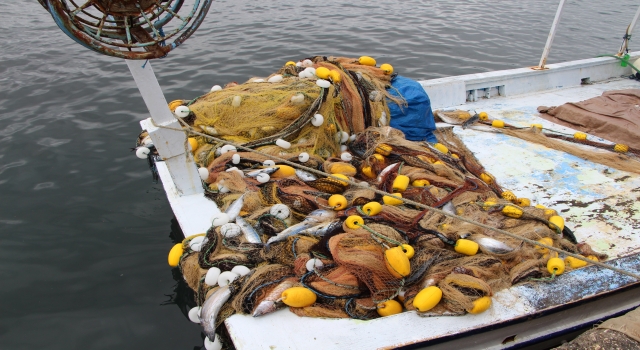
<point x="84" y="232"/>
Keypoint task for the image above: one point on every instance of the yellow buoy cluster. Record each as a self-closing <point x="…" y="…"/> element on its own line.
<point x="555" y="265"/>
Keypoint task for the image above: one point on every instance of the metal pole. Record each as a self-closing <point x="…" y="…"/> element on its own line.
<point x="171" y="144"/>
<point x="552" y="33"/>
<point x="627" y="36"/>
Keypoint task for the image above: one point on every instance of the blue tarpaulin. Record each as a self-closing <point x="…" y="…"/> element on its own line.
<point x="415" y="120"/>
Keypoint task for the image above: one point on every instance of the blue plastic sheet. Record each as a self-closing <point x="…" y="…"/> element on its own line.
<point x="415" y="120"/>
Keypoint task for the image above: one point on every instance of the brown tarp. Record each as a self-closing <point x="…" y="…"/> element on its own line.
<point x="614" y="116"/>
<point x="628" y="324"/>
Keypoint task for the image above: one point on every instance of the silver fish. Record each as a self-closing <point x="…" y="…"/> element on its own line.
<point x="320" y="215"/>
<point x="211" y="309"/>
<point x="290" y="231"/>
<point x="268" y="171"/>
<point x="270" y="302"/>
<point x="314" y="218"/>
<point x="234" y="209"/>
<point x="250" y="234"/>
<point x="385" y="171"/>
<point x="305" y="175"/>
<point x="467" y="123"/>
<point x="317" y="230"/>
<point x="494" y="246"/>
<point x="449" y="208"/>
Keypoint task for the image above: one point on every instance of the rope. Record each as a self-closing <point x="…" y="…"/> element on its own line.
<point x="408" y="201"/>
<point x="623" y="60"/>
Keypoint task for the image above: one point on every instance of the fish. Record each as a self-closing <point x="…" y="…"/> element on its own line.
<point x="494" y="246"/>
<point x="314" y="218"/>
<point x="320" y="215"/>
<point x="250" y="234"/>
<point x="467" y="123"/>
<point x="456" y="117"/>
<point x="305" y="175"/>
<point x="386" y="170"/>
<point x="449" y="208"/>
<point x="317" y="230"/>
<point x="234" y="209"/>
<point x="211" y="309"/>
<point x="290" y="231"/>
<point x="271" y="302"/>
<point x="270" y="170"/>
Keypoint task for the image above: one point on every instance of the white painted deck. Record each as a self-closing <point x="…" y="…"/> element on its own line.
<point x="599" y="203"/>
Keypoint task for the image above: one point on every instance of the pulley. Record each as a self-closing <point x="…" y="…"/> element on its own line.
<point x="131" y="29"/>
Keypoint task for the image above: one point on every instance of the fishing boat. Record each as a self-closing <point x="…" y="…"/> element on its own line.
<point x="598" y="201"/>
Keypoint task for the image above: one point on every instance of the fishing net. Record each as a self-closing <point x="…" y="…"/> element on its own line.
<point x="611" y="159"/>
<point x="349" y="265"/>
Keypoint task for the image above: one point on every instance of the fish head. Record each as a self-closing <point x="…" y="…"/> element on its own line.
<point x="265" y="307"/>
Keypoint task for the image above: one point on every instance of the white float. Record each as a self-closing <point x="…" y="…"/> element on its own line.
<point x="263" y="178"/>
<point x="297" y="99"/>
<point x="182" y="111"/>
<point x="142" y="152"/>
<point x="211" y="278"/>
<point x="323" y="83"/>
<point x="317" y="119"/>
<point x="280" y="211"/>
<point x="314" y="263"/>
<point x="194" y="314"/>
<point x="283" y="143"/>
<point x="230" y="230"/>
<point x="204" y="173"/>
<point x="212" y="345"/>
<point x="220" y="219"/>
<point x="226" y="277"/>
<point x="275" y="79"/>
<point x="228" y="148"/>
<point x="303" y="157"/>
<point x="241" y="270"/>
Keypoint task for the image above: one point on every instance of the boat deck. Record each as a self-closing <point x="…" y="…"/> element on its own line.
<point x="599" y="203"/>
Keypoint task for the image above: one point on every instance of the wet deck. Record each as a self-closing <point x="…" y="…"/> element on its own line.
<point x="599" y="203"/>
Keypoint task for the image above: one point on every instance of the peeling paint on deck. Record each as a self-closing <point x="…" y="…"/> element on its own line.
<point x="599" y="203"/>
